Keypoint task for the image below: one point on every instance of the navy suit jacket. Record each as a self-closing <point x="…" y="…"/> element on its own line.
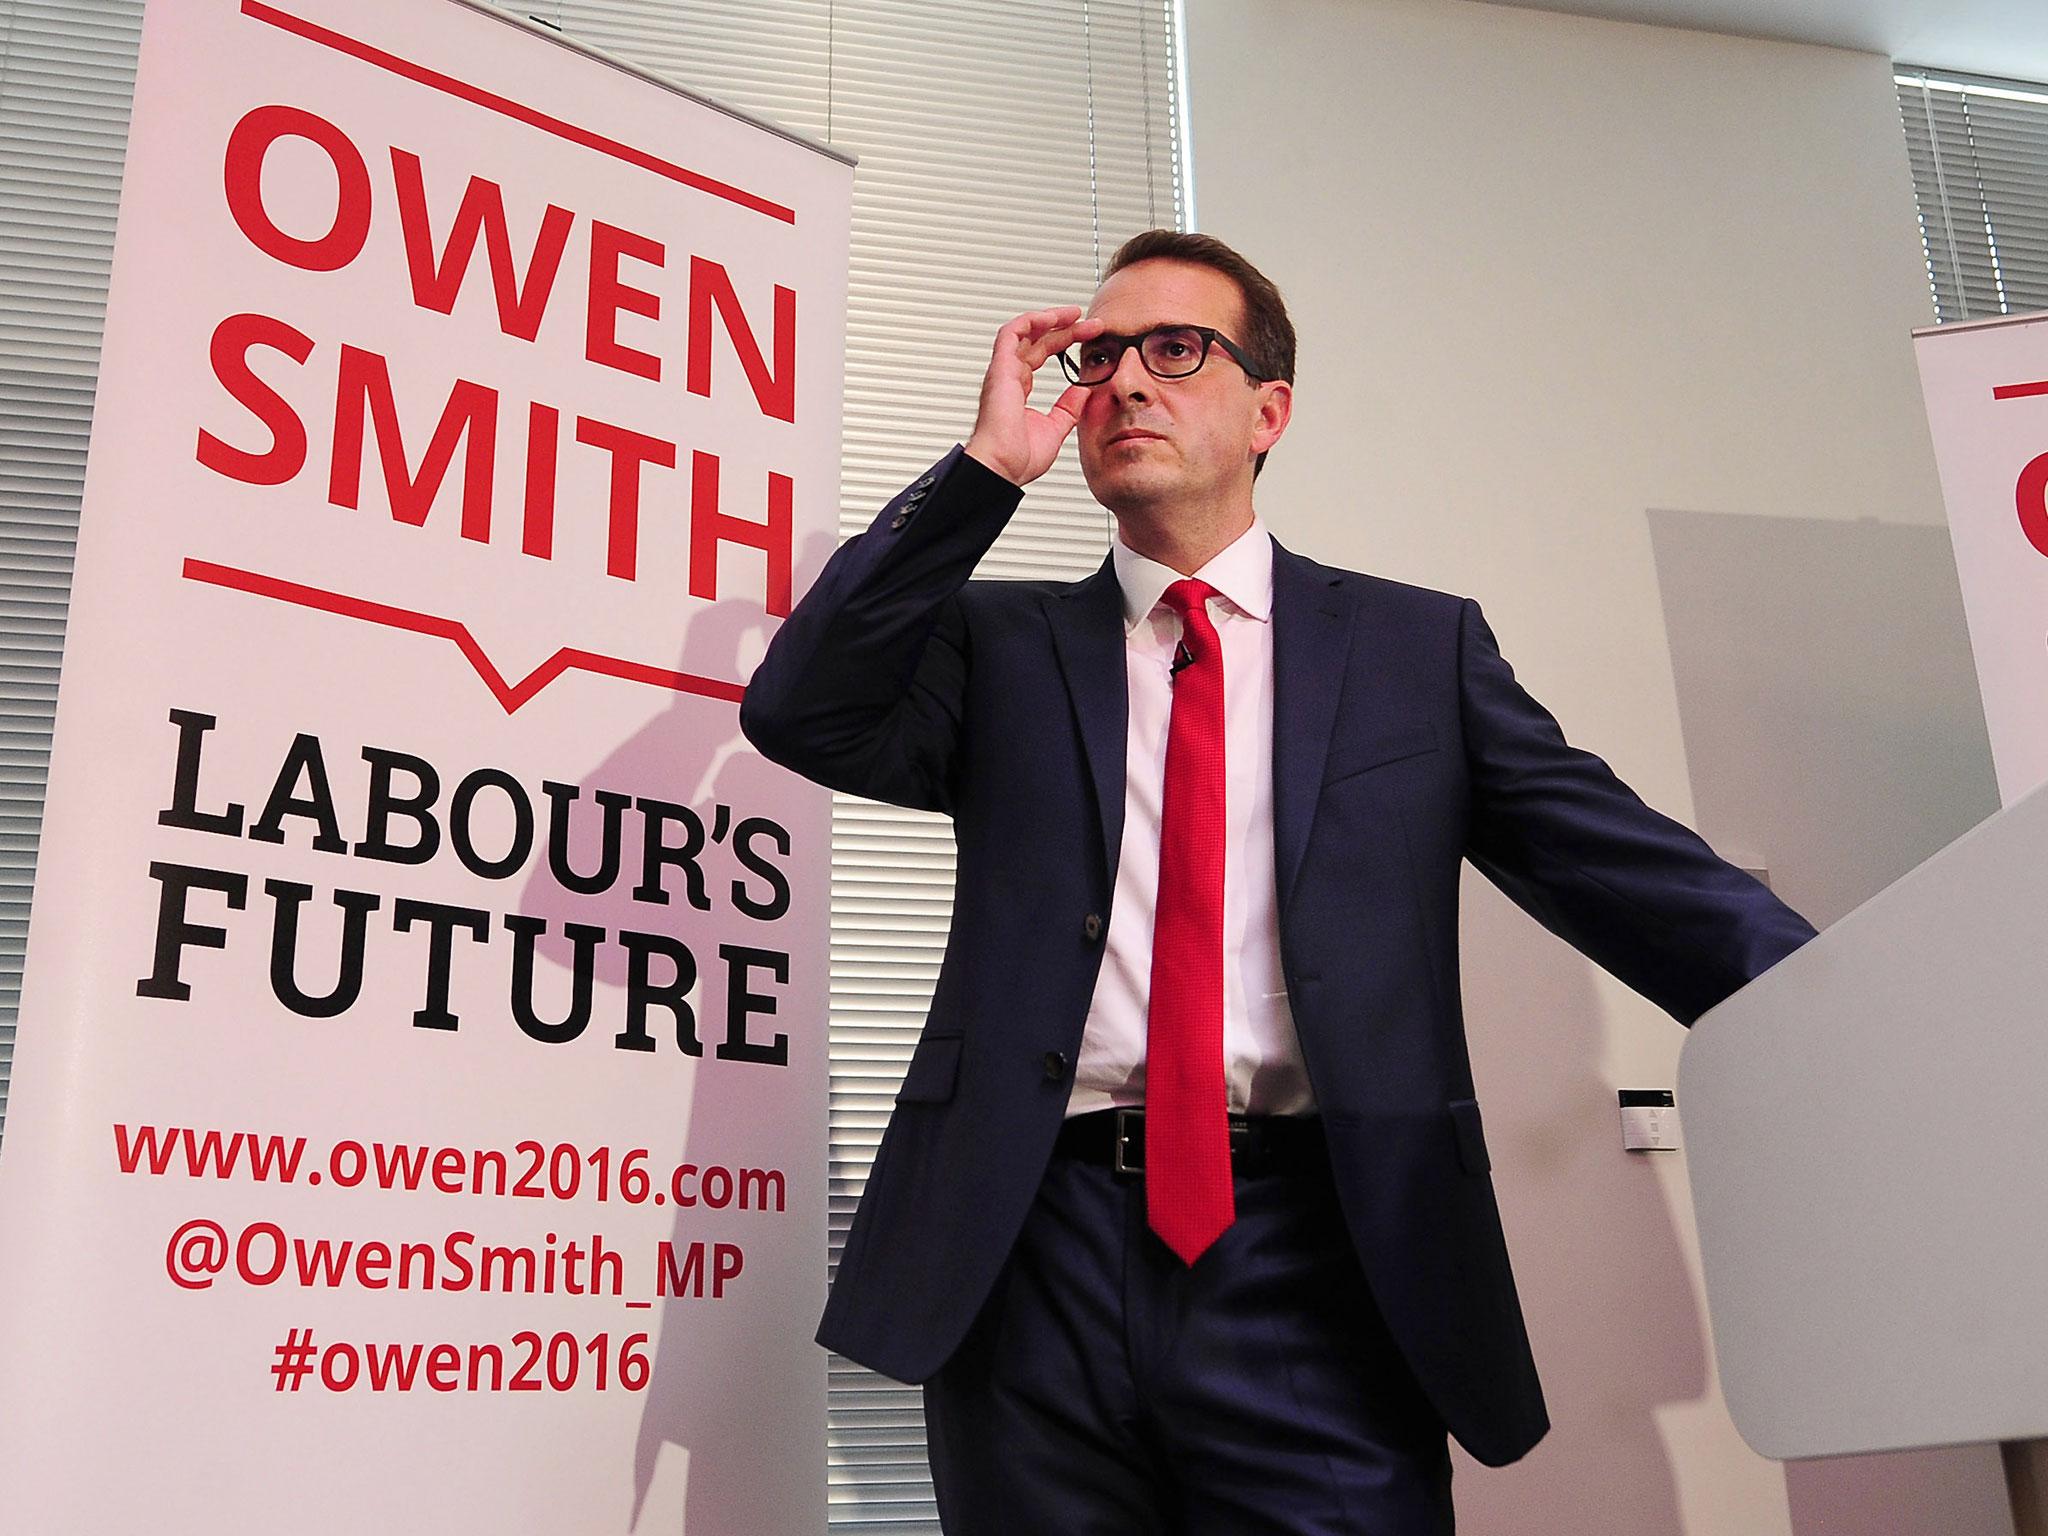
<point x="1402" y="745"/>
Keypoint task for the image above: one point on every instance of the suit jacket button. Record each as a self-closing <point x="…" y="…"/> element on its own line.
<point x="1091" y="925"/>
<point x="1055" y="1067"/>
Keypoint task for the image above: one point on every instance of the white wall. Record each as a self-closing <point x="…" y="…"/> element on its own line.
<point x="1596" y="319"/>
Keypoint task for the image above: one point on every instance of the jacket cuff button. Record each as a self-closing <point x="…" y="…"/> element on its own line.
<point x="1055" y="1064"/>
<point x="1091" y="925"/>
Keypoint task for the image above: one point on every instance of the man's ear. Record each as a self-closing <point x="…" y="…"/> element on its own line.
<point x="1276" y="409"/>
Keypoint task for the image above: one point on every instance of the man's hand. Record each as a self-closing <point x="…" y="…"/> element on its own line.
<point x="1009" y="437"/>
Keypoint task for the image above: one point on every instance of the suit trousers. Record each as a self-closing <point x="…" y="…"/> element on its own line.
<point x="1106" y="1389"/>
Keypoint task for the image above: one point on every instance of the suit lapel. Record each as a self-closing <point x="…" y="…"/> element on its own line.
<point x="1310" y="627"/>
<point x="1311" y="624"/>
<point x="1087" y="622"/>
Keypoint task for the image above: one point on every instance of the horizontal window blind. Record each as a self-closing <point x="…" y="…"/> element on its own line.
<point x="1006" y="147"/>
<point x="1979" y="151"/>
<point x="67" y="75"/>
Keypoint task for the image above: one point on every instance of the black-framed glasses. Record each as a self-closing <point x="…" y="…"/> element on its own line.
<point x="1167" y="351"/>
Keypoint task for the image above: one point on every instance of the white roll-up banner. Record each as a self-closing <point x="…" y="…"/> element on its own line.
<point x="1986" y="387"/>
<point x="419" y="1109"/>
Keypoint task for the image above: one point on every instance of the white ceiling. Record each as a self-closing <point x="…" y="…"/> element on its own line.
<point x="1986" y="37"/>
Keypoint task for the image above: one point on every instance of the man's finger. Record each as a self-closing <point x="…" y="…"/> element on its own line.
<point x="1065" y="412"/>
<point x="1006" y="338"/>
<point x="1059" y="338"/>
<point x="1059" y="314"/>
<point x="1034" y="325"/>
<point x="1018" y="332"/>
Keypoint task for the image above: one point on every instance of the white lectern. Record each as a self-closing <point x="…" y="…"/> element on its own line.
<point x="1866" y="1129"/>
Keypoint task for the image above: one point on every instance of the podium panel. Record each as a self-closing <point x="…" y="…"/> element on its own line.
<point x="1866" y="1154"/>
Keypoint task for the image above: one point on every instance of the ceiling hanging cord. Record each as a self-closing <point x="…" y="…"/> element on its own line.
<point x="1145" y="96"/>
<point x="1984" y="211"/>
<point x="1948" y="223"/>
<point x="1094" y="192"/>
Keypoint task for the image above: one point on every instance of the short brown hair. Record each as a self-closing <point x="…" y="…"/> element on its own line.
<point x="1268" y="338"/>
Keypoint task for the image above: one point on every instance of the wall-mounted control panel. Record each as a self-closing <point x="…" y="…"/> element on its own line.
<point x="1649" y="1120"/>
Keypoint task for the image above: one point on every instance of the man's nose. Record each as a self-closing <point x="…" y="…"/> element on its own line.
<point x="1131" y="381"/>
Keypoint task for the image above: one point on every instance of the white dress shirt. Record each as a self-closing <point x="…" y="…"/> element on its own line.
<point x="1262" y="1065"/>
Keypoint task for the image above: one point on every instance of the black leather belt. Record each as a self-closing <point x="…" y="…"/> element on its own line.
<point x="1258" y="1143"/>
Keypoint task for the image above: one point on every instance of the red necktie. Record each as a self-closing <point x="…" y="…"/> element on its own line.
<point x="1188" y="1199"/>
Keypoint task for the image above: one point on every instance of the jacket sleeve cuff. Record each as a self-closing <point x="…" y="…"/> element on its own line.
<point x="963" y="486"/>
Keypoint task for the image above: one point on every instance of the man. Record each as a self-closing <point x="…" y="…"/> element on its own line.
<point x="1183" y="1216"/>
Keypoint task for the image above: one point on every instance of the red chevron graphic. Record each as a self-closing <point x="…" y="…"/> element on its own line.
<point x="510" y="695"/>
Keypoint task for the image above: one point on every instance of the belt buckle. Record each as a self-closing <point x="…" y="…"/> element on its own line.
<point x="1130" y="1137"/>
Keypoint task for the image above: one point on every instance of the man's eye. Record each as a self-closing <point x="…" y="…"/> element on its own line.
<point x="1094" y="357"/>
